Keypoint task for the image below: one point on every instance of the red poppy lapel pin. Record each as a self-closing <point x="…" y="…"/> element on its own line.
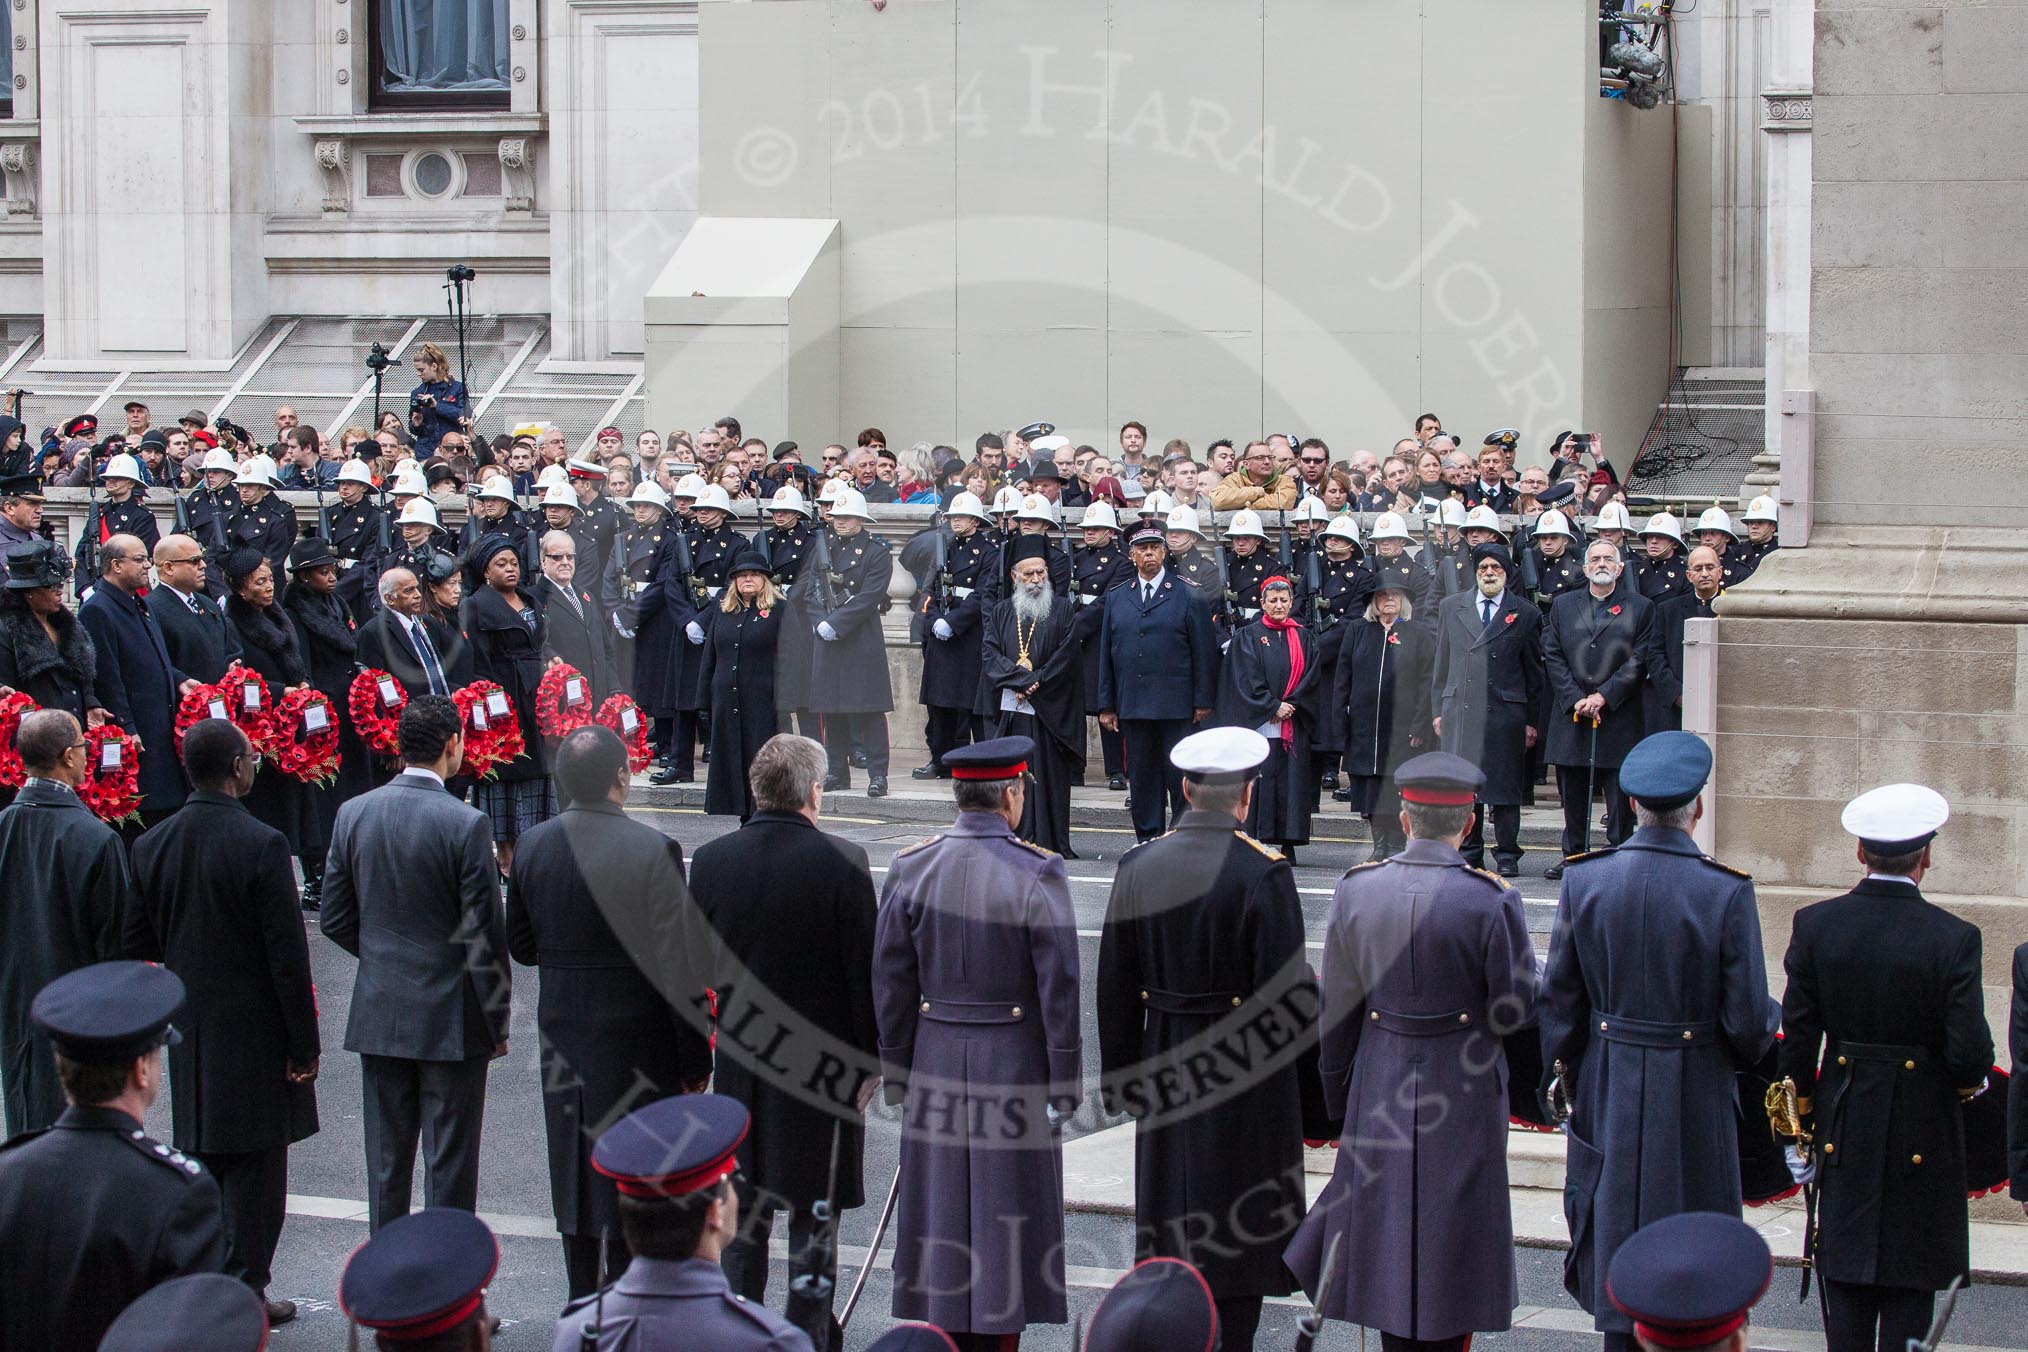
<point x="1394" y="638"/>
<point x="1513" y="615"/>
<point x="1612" y="610"/>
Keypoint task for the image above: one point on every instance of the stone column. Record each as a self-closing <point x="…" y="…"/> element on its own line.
<point x="1785" y="128"/>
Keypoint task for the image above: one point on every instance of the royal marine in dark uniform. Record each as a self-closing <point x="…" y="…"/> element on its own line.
<point x="1655" y="997"/>
<point x="1427" y="966"/>
<point x="1096" y="567"/>
<point x="1203" y="940"/>
<point x="1248" y="564"/>
<point x="1660" y="573"/>
<point x="261" y="520"/>
<point x="1344" y="583"/>
<point x="1190" y="561"/>
<point x="975" y="988"/>
<point x="1393" y="566"/>
<point x="1558" y="559"/>
<point x="788" y="544"/>
<point x="1884" y="988"/>
<point x="94" y="1211"/>
<point x="673" y="1162"/>
<point x="951" y="609"/>
<point x="848" y="665"/>
<point x="125" y="515"/>
<point x="355" y="537"/>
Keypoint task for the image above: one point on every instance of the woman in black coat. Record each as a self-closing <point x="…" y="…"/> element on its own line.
<point x="507" y="632"/>
<point x="739" y="682"/>
<point x="331" y="642"/>
<point x="271" y="645"/>
<point x="1273" y="679"/>
<point x="44" y="652"/>
<point x="1381" y="699"/>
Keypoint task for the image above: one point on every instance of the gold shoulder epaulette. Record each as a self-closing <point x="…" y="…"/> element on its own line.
<point x="1042" y="850"/>
<point x="926" y="840"/>
<point x="1491" y="877"/>
<point x="1269" y="851"/>
<point x="1599" y="853"/>
<point x="1371" y="863"/>
<point x="1727" y="868"/>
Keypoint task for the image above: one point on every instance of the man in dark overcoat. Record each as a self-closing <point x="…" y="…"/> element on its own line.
<point x="975" y="986"/>
<point x="1158" y="676"/>
<point x="1203" y="941"/>
<point x="849" y="685"/>
<point x="1655" y="997"/>
<point x="656" y="599"/>
<point x="1597" y="644"/>
<point x="424" y="655"/>
<point x="594" y="903"/>
<point x="68" y="891"/>
<point x="1488" y="681"/>
<point x="714" y="544"/>
<point x="1427" y="965"/>
<point x="952" y="608"/>
<point x="217" y="905"/>
<point x="412" y="889"/>
<point x="201" y="644"/>
<point x="579" y="631"/>
<point x="1096" y="567"/>
<point x="788" y="544"/>
<point x="1886" y="985"/>
<point x="93" y="1210"/>
<point x="1664" y="692"/>
<point x="790" y="911"/>
<point x="138" y="681"/>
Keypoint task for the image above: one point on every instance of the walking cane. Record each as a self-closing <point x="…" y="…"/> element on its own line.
<point x="872" y="1249"/>
<point x="1590" y="777"/>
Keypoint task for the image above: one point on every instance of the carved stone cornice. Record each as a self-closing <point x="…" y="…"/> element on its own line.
<point x="1785" y="110"/>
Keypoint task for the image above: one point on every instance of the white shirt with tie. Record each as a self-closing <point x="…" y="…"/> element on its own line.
<point x="1150" y="586"/>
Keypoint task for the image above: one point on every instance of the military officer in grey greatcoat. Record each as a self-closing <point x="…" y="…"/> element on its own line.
<point x="1427" y="965"/>
<point x="1203" y="942"/>
<point x="1887" y="985"/>
<point x="673" y="1162"/>
<point x="1654" y="998"/>
<point x="975" y="991"/>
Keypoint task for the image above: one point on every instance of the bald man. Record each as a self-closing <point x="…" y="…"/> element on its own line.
<point x="1664" y="694"/>
<point x="201" y="644"/>
<point x="138" y="680"/>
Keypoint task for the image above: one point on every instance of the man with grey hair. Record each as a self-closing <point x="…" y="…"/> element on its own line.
<point x="579" y="631"/>
<point x="791" y="913"/>
<point x="1034" y="688"/>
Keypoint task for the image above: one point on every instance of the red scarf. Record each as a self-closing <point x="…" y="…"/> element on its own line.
<point x="1294" y="629"/>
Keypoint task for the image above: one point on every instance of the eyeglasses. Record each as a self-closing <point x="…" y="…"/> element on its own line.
<point x="559" y="558"/>
<point x="194" y="558"/>
<point x="1313" y="459"/>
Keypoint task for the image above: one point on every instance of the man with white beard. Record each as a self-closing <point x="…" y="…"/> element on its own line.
<point x="1598" y="646"/>
<point x="1034" y="688"/>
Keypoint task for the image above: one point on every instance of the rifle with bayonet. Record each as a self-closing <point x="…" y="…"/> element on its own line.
<point x="810" y="1293"/>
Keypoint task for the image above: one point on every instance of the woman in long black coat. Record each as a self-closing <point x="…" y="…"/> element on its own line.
<point x="507" y="632"/>
<point x="331" y="643"/>
<point x="1380" y="699"/>
<point x="739" y="683"/>
<point x="271" y="644"/>
<point x="44" y="651"/>
<point x="1273" y="681"/>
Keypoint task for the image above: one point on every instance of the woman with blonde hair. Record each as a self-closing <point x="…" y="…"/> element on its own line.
<point x="438" y="404"/>
<point x="739" y="673"/>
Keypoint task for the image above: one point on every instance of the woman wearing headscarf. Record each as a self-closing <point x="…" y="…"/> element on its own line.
<point x="271" y="644"/>
<point x="507" y="632"/>
<point x="1381" y="699"/>
<point x="739" y="676"/>
<point x="331" y="644"/>
<point x="1272" y="682"/>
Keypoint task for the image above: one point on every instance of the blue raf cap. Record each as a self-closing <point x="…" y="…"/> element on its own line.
<point x="1000" y="758"/>
<point x="1688" y="1280"/>
<point x="205" y="1309"/>
<point x="1162" y="1305"/>
<point x="673" y="1147"/>
<point x="1439" y="779"/>
<point x="110" y="1011"/>
<point x="1666" y="769"/>
<point x="913" y="1338"/>
<point x="421" y="1275"/>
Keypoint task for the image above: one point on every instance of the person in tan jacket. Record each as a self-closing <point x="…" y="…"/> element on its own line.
<point x="1255" y="483"/>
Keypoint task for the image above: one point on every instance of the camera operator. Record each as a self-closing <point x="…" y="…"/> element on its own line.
<point x="439" y="404"/>
<point x="1568" y="457"/>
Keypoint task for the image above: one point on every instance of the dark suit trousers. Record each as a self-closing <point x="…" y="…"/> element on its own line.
<point x="843" y="732"/>
<point x="442" y="1101"/>
<point x="1110" y="750"/>
<point x="1506" y="836"/>
<point x="1570" y="785"/>
<point x="1151" y="780"/>
<point x="581" y="1262"/>
<point x="254" y="1188"/>
<point x="949" y="729"/>
<point x="1855" y="1316"/>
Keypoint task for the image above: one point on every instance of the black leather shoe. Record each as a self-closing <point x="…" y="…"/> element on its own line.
<point x="1554" y="871"/>
<point x="1343" y="795"/>
<point x="279" y="1311"/>
<point x="1508" y="870"/>
<point x="667" y="775"/>
<point x="876" y="787"/>
<point x="923" y="772"/>
<point x="1328" y="782"/>
<point x="856" y="759"/>
<point x="833" y="783"/>
<point x="1117" y="783"/>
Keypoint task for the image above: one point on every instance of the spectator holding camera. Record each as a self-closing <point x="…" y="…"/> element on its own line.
<point x="439" y="404"/>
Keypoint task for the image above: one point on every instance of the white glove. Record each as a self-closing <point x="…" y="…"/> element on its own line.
<point x="1802" y="1168"/>
<point x="620" y="627"/>
<point x="826" y="632"/>
<point x="694" y="631"/>
<point x="942" y="629"/>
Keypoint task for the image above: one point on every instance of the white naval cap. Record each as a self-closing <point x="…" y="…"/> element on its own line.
<point x="1220" y="755"/>
<point x="1896" y="818"/>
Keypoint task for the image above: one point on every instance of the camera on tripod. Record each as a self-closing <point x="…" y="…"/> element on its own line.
<point x="377" y="360"/>
<point x="459" y="272"/>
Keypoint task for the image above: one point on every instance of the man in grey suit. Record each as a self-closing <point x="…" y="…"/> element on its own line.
<point x="411" y="890"/>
